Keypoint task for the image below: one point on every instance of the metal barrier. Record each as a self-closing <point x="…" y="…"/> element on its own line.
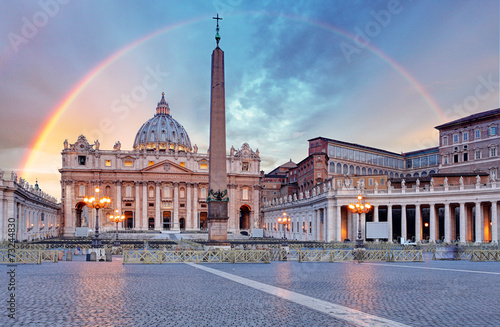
<point x="485" y="255"/>
<point x="211" y="256"/>
<point x="360" y="255"/>
<point x="28" y="256"/>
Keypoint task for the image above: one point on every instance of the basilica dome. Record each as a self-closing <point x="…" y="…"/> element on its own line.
<point x="162" y="132"/>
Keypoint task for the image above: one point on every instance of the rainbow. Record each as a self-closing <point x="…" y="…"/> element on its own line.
<point x="59" y="109"/>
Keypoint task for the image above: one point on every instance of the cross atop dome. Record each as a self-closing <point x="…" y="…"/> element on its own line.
<point x="162" y="107"/>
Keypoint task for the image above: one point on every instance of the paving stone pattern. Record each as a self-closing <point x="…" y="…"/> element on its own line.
<point x="80" y="293"/>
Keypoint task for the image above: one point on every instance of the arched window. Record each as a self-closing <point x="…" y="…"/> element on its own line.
<point x="346" y="171"/>
<point x="375" y="172"/>
<point x="358" y="170"/>
<point x="332" y="167"/>
<point x="424" y="173"/>
<point x="339" y="168"/>
<point x="351" y="170"/>
<point x="151" y="192"/>
<point x="81" y="190"/>
<point x="244" y="193"/>
<point x="167" y="190"/>
<point x="182" y="192"/>
<point x="363" y="171"/>
<point x="415" y="175"/>
<point x="369" y="171"/>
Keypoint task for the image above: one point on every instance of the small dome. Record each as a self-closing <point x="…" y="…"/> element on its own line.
<point x="162" y="132"/>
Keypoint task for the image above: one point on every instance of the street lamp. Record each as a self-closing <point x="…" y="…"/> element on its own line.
<point x="117" y="218"/>
<point x="285" y="221"/>
<point x="97" y="203"/>
<point x="359" y="208"/>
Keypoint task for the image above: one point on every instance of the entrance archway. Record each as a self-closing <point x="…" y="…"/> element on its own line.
<point x="129" y="219"/>
<point x="151" y="223"/>
<point x="182" y="223"/>
<point x="167" y="215"/>
<point x="82" y="215"/>
<point x="244" y="217"/>
<point x="203" y="220"/>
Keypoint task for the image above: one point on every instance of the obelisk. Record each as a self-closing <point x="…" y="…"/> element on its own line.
<point x="217" y="176"/>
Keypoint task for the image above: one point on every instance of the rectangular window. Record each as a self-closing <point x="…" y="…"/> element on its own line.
<point x="455" y="138"/>
<point x="416" y="163"/>
<point x="370" y="181"/>
<point x="82" y="160"/>
<point x="477" y="154"/>
<point x="369" y="158"/>
<point x="338" y="152"/>
<point x="107" y="163"/>
<point x="493" y="130"/>
<point x="203" y="166"/>
<point x="455" y="158"/>
<point x="432" y="160"/>
<point x="351" y="154"/>
<point x="128" y="163"/>
<point x="445" y="140"/>
<point x="477" y="134"/>
<point x="344" y="153"/>
<point x="445" y="160"/>
<point x="356" y="155"/>
<point x="424" y="161"/>
<point x="466" y="156"/>
<point x="493" y="152"/>
<point x="331" y="150"/>
<point x="465" y="136"/>
<point x="310" y="228"/>
<point x="363" y="156"/>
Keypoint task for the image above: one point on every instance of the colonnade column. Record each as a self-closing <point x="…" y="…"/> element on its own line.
<point x="494" y="221"/>
<point x="463" y="224"/>
<point x="188" y="219"/>
<point x="175" y="222"/>
<point x="403" y="222"/>
<point x="331" y="224"/>
<point x="145" y="222"/>
<point x="233" y="222"/>
<point x="418" y="223"/>
<point x="447" y="223"/>
<point x="138" y="221"/>
<point x="351" y="233"/>
<point x="158" y="218"/>
<point x="255" y="213"/>
<point x="389" y="223"/>
<point x="479" y="223"/>
<point x="195" y="223"/>
<point x="432" y="223"/>
<point x="338" y="224"/>
<point x="375" y="217"/>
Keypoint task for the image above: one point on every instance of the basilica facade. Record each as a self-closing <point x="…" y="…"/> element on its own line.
<point x="161" y="184"/>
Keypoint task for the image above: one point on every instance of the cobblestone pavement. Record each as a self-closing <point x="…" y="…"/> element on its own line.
<point x="79" y="293"/>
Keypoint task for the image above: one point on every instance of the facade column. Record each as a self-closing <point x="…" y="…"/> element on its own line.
<point x="479" y="223"/>
<point x="69" y="219"/>
<point x="389" y="223"/>
<point x="175" y="222"/>
<point x="418" y="223"/>
<point x="463" y="224"/>
<point x="145" y="222"/>
<point x="494" y="221"/>
<point x="137" y="217"/>
<point x="447" y="223"/>
<point x="363" y="227"/>
<point x="233" y="222"/>
<point x="432" y="223"/>
<point x="403" y="222"/>
<point x="118" y="200"/>
<point x="195" y="224"/>
<point x="338" y="224"/>
<point x="351" y="234"/>
<point x="158" y="218"/>
<point x="188" y="219"/>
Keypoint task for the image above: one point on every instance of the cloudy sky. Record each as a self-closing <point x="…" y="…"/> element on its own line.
<point x="378" y="73"/>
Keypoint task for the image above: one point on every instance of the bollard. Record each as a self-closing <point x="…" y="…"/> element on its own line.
<point x="109" y="256"/>
<point x="69" y="255"/>
<point x="93" y="256"/>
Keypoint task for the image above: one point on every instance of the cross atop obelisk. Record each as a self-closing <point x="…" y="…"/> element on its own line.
<point x="217" y="176"/>
<point x="217" y="36"/>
